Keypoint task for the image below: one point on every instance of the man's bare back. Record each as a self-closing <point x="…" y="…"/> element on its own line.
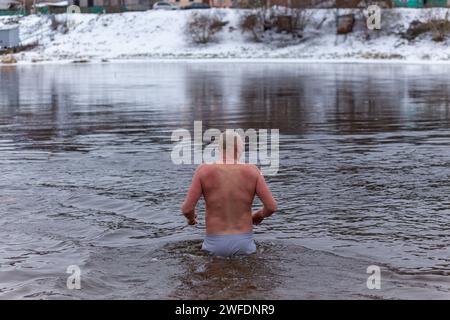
<point x="229" y="191"/>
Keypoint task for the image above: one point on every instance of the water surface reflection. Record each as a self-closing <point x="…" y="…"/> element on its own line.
<point x="87" y="178"/>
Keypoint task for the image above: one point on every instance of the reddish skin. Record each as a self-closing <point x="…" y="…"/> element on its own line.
<point x="229" y="190"/>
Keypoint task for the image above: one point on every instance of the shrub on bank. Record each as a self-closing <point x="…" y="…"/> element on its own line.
<point x="438" y="27"/>
<point x="262" y="22"/>
<point x="203" y="28"/>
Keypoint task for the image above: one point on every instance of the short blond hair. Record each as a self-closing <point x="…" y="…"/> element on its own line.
<point x="231" y="144"/>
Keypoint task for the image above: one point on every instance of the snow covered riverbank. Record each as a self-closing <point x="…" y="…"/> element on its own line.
<point x="161" y="35"/>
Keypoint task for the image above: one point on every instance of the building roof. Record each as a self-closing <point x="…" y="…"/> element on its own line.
<point x="52" y="4"/>
<point x="8" y="27"/>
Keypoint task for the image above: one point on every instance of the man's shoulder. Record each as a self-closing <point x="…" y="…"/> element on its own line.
<point x="250" y="168"/>
<point x="205" y="168"/>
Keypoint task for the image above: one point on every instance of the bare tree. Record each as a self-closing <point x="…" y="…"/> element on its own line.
<point x="203" y="27"/>
<point x="440" y="28"/>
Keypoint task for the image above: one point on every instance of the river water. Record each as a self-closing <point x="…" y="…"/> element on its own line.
<point x="87" y="180"/>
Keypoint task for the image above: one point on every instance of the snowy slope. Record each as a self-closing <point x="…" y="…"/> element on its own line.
<point x="159" y="34"/>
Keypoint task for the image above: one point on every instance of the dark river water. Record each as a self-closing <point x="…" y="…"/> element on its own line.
<point x="87" y="180"/>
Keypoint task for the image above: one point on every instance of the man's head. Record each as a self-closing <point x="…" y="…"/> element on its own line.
<point x="230" y="146"/>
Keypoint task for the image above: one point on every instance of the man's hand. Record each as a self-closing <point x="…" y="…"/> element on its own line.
<point x="257" y="217"/>
<point x="193" y="222"/>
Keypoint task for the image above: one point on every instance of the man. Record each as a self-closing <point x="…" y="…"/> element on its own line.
<point x="229" y="188"/>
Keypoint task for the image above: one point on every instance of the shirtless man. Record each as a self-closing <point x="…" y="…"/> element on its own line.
<point x="229" y="188"/>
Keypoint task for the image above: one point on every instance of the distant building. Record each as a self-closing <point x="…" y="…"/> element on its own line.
<point x="409" y="3"/>
<point x="9" y="4"/>
<point x="222" y="3"/>
<point x="185" y="3"/>
<point x="362" y="3"/>
<point x="98" y="3"/>
<point x="129" y="4"/>
<point x="9" y="37"/>
<point x="148" y="4"/>
<point x="393" y="3"/>
<point x="286" y="3"/>
<point x="301" y="3"/>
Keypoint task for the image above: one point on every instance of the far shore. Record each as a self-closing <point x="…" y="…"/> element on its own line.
<point x="229" y="60"/>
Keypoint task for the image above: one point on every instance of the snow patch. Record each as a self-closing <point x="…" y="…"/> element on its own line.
<point x="161" y="35"/>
